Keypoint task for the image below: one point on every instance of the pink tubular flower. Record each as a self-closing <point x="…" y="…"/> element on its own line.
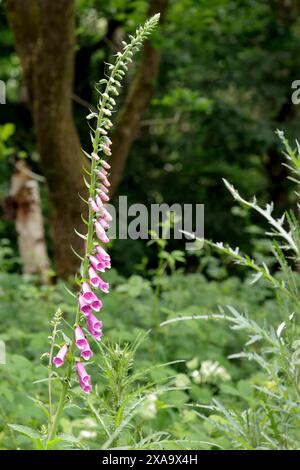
<point x="103" y="188"/>
<point x="97" y="264"/>
<point x="99" y="229"/>
<point x="97" y="335"/>
<point x="105" y="165"/>
<point x="95" y="156"/>
<point x="103" y="257"/>
<point x="95" y="327"/>
<point x="106" y="215"/>
<point x="104" y="197"/>
<point x="84" y="378"/>
<point x="96" y="304"/>
<point x="93" y="205"/>
<point x="101" y="175"/>
<point x="94" y="278"/>
<point x="84" y="307"/>
<point x="106" y="182"/>
<point x="94" y="324"/>
<point x="60" y="357"/>
<point x="80" y="339"/>
<point x="86" y="353"/>
<point x="104" y="286"/>
<point x="87" y="292"/>
<point x="101" y="254"/>
<point x="100" y="233"/>
<point x="106" y="149"/>
<point x="99" y="202"/>
<point x="104" y="224"/>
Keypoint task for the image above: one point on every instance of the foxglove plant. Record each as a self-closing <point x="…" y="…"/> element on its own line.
<point x="96" y="259"/>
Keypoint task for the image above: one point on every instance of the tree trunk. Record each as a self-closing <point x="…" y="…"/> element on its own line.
<point x="138" y="99"/>
<point x="24" y="196"/>
<point x="45" y="42"/>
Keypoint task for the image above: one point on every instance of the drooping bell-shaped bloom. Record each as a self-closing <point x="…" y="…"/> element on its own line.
<point x="102" y="255"/>
<point x="87" y="292"/>
<point x="105" y="164"/>
<point x="95" y="157"/>
<point x="93" y="205"/>
<point x="84" y="306"/>
<point x="104" y="224"/>
<point x="97" y="336"/>
<point x="105" y="262"/>
<point x="99" y="229"/>
<point x="96" y="304"/>
<point x="106" y="149"/>
<point x="104" y="286"/>
<point x="97" y="263"/>
<point x="86" y="353"/>
<point x="102" y="187"/>
<point x="95" y="327"/>
<point x="104" y="197"/>
<point x="83" y="378"/>
<point x="101" y="174"/>
<point x="94" y="278"/>
<point x="106" y="215"/>
<point x="80" y="339"/>
<point x="106" y="182"/>
<point x="99" y="202"/>
<point x="60" y="357"/>
<point x="101" y="233"/>
<point x="94" y="324"/>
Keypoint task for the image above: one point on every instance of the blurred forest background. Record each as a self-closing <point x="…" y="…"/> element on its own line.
<point x="202" y="102"/>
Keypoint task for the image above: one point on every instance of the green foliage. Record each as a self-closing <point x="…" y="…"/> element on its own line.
<point x="25" y="312"/>
<point x="270" y="422"/>
<point x="219" y="96"/>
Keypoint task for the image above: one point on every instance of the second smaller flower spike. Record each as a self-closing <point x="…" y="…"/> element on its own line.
<point x="60" y="357"/>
